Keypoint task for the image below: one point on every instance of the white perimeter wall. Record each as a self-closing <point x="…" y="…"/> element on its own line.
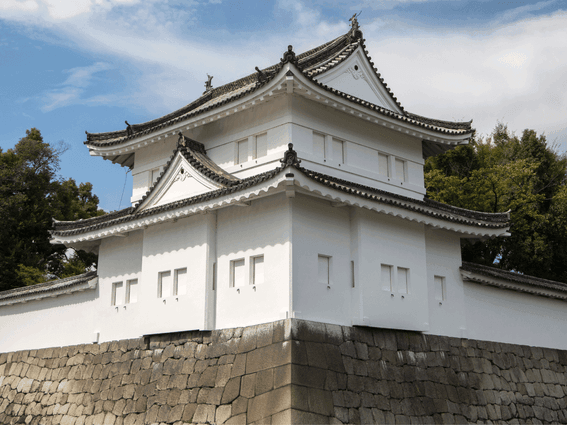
<point x="496" y="314"/>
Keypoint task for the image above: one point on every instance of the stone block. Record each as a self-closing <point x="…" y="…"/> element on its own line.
<point x="301" y="417"/>
<point x="341" y="413"/>
<point x="298" y="352"/>
<point x="237" y="420"/>
<point x="282" y="375"/>
<point x="312" y="377"/>
<point x="215" y="396"/>
<point x="239" y="366"/>
<point x="223" y="414"/>
<point x="316" y="354"/>
<point x="279" y="334"/>
<point x="231" y="390"/>
<point x="204" y="413"/>
<point x="267" y="357"/>
<point x="248" y="385"/>
<point x="264" y="381"/>
<point x="299" y="397"/>
<point x="264" y="334"/>
<point x="320" y="401"/>
<point x="188" y="412"/>
<point x="248" y="340"/>
<point x="269" y="403"/>
<point x="303" y="330"/>
<point x="240" y="405"/>
<point x="223" y="375"/>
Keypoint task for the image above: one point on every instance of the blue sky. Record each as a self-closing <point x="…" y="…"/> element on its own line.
<point x="68" y="66"/>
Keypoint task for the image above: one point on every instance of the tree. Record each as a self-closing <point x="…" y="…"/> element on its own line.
<point x="30" y="196"/>
<point x="523" y="175"/>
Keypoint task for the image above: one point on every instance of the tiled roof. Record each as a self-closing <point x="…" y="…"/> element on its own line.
<point x="47" y="289"/>
<point x="311" y="63"/>
<point x="532" y="281"/>
<point x="427" y="207"/>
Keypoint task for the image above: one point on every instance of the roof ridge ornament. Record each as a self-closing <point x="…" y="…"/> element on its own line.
<point x="289" y="56"/>
<point x="208" y="83"/>
<point x="129" y="129"/>
<point x="355" y="33"/>
<point x="262" y="76"/>
<point x="290" y="157"/>
<point x="191" y="144"/>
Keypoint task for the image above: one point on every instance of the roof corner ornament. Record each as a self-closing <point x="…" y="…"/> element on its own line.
<point x="289" y="56"/>
<point x="129" y="129"/>
<point x="354" y="34"/>
<point x="290" y="157"/>
<point x="180" y="140"/>
<point x="208" y="83"/>
<point x="262" y="77"/>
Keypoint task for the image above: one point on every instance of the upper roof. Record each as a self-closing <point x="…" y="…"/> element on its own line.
<point x="311" y="64"/>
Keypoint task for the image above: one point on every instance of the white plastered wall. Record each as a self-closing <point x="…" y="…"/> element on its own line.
<point x="243" y="233"/>
<point x="362" y="143"/>
<point x="399" y="244"/>
<point x="319" y="229"/>
<point x="49" y="322"/>
<point x="443" y="253"/>
<point x="496" y="314"/>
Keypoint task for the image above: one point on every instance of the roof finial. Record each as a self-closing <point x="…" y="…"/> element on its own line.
<point x="290" y="157"/>
<point x="354" y="33"/>
<point x="261" y="75"/>
<point x="289" y="56"/>
<point x="129" y="129"/>
<point x="209" y="84"/>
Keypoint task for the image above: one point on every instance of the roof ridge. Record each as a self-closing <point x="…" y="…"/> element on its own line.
<point x="10" y="293"/>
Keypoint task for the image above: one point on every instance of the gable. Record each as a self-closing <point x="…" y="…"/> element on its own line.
<point x="356" y="76"/>
<point x="180" y="180"/>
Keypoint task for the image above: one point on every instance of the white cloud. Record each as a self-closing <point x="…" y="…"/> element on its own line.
<point x="514" y="73"/>
<point x="71" y="91"/>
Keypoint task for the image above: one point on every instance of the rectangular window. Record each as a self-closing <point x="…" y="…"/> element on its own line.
<point x="181" y="282"/>
<point x="132" y="291"/>
<point x="386" y="278"/>
<point x="319" y="145"/>
<point x="214" y="276"/>
<point x="261" y="145"/>
<point x="165" y="286"/>
<point x="403" y="280"/>
<point x="117" y="293"/>
<point x="237" y="273"/>
<point x="323" y="275"/>
<point x="383" y="165"/>
<point x="339" y="151"/>
<point x="440" y="290"/>
<point x="400" y="169"/>
<point x="241" y="151"/>
<point x="257" y="271"/>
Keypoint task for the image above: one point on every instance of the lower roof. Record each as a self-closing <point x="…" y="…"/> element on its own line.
<point x="483" y="223"/>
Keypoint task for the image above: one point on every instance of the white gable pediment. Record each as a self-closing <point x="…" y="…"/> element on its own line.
<point x="180" y="181"/>
<point x="356" y="76"/>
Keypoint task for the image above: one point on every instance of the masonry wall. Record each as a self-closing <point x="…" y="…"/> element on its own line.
<point x="290" y="371"/>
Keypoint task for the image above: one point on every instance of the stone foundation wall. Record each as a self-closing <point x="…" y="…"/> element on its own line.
<point x="290" y="371"/>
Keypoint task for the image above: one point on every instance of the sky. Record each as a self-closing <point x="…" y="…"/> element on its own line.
<point x="70" y="66"/>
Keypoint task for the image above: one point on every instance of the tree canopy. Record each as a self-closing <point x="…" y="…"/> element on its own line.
<point x="31" y="195"/>
<point x="523" y="175"/>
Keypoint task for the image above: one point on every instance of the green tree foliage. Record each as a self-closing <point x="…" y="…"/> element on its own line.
<point x="31" y="195"/>
<point x="523" y="175"/>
